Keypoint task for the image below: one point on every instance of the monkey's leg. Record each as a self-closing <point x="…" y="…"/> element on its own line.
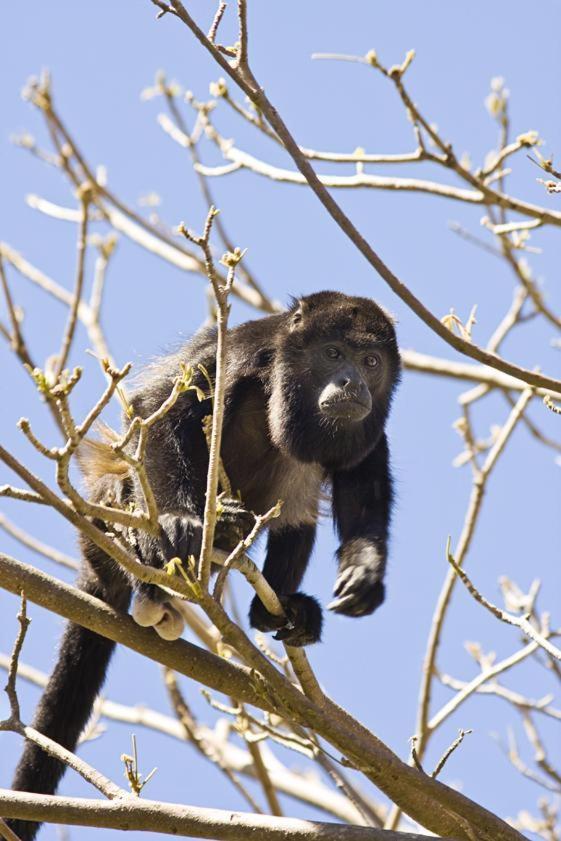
<point x="288" y="553"/>
<point x="78" y="676"/>
<point x="181" y="536"/>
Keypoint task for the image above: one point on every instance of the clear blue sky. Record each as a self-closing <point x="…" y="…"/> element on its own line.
<point x="101" y="56"/>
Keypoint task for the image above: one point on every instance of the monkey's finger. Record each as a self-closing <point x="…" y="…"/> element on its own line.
<point x="342" y="579"/>
<point x="349" y="606"/>
<point x="362" y="602"/>
<point x="348" y="580"/>
<point x="297" y="636"/>
<point x="341" y="604"/>
<point x="166" y="545"/>
<point x="284" y="633"/>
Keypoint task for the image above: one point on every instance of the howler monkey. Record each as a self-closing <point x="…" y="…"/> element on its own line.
<point x="306" y="401"/>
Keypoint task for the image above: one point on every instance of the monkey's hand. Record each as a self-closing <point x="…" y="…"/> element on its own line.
<point x="359" y="587"/>
<point x="234" y="522"/>
<point x="300" y="625"/>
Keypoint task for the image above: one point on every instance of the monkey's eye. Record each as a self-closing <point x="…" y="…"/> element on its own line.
<point x="372" y="360"/>
<point x="332" y="352"/>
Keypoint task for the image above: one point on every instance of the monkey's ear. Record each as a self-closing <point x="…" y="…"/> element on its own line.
<point x="297" y="315"/>
<point x="392" y="318"/>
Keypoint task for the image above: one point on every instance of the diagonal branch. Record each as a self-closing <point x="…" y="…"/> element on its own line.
<point x="97" y="616"/>
<point x="257" y="95"/>
<point x="426" y="800"/>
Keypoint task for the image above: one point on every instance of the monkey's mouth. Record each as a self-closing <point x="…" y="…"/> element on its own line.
<point x="345" y="408"/>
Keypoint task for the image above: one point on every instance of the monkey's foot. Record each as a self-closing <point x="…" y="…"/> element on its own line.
<point x="301" y="624"/>
<point x="162" y="616"/>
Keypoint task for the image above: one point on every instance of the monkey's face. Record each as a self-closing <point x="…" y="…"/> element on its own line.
<point x="335" y="367"/>
<point x="345" y="377"/>
<point x="329" y="400"/>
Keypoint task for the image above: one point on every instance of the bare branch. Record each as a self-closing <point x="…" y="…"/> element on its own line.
<point x="363" y="748"/>
<point x="516" y="760"/>
<point x="16" y="339"/>
<point x="540" y="753"/>
<point x="469" y="688"/>
<point x="449" y="751"/>
<point x="6" y="832"/>
<point x="221" y="293"/>
<point x="10" y="687"/>
<point x="178" y="819"/>
<point x="216" y="22"/>
<point x="444" y="599"/>
<point x="97" y="616"/>
<point x="194" y="733"/>
<point x="36" y="545"/>
<point x="298" y="786"/>
<point x="521" y="622"/>
<point x="243" y="160"/>
<point x="85" y="197"/>
<point x="23" y="496"/>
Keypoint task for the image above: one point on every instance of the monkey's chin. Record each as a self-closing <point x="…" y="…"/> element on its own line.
<point x="350" y="411"/>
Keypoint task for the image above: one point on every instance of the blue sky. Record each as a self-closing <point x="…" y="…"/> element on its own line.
<point x="101" y="56"/>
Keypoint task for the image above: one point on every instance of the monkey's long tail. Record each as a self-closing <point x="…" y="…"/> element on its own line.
<point x="67" y="701"/>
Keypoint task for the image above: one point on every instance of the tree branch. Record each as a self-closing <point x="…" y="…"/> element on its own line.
<point x="177" y="819"/>
<point x="96" y="615"/>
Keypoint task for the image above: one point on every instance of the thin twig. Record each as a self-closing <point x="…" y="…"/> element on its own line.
<point x="244" y="728"/>
<point x="10" y="687"/>
<point x="6" y="832"/>
<point x="221" y="293"/>
<point x="449" y="751"/>
<point x="36" y="545"/>
<point x="85" y="198"/>
<point x="16" y="339"/>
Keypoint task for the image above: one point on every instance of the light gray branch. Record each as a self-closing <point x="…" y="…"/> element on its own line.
<point x="176" y="819"/>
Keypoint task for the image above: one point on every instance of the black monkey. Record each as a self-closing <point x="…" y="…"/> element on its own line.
<point x="307" y="396"/>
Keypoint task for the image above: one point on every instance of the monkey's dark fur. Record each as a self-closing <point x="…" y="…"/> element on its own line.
<point x="306" y="401"/>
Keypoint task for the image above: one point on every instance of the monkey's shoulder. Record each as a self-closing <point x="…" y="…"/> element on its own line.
<point x="259" y="470"/>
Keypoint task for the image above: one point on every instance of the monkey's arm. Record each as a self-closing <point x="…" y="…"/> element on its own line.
<point x="288" y="552"/>
<point x="362" y="502"/>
